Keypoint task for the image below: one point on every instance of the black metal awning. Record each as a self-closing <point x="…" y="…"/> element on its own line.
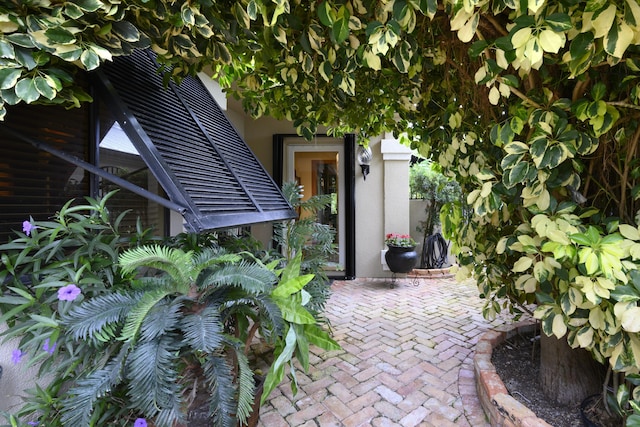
<point x="190" y="146"/>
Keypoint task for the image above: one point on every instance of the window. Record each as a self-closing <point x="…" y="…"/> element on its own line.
<point x="165" y="147"/>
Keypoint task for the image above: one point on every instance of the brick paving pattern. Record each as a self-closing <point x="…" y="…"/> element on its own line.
<point x="406" y="359"/>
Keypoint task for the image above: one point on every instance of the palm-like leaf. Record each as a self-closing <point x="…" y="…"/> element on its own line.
<point x="212" y="256"/>
<point x="246" y="388"/>
<point x="138" y="313"/>
<point x="175" y="262"/>
<point x="222" y="390"/>
<point x="78" y="408"/>
<point x="171" y="414"/>
<point x="253" y="278"/>
<point x="152" y="375"/>
<point x="270" y="315"/>
<point x="203" y="331"/>
<point x="93" y="317"/>
<point x="161" y="319"/>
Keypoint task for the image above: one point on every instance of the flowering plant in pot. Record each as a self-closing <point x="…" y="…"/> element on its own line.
<point x="129" y="331"/>
<point x="399" y="240"/>
<point x="401" y="256"/>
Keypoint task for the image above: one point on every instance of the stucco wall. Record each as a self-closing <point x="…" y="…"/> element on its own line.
<point x="372" y="222"/>
<point x="369" y="216"/>
<point x="417" y="214"/>
<point x="15" y="377"/>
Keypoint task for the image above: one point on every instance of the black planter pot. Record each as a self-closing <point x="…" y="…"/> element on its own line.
<point x="401" y="259"/>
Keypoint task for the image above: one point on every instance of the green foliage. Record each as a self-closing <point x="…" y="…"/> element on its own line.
<point x="301" y="329"/>
<point x="306" y="236"/>
<point x="79" y="246"/>
<point x="302" y="290"/>
<point x="173" y="328"/>
<point x="532" y="106"/>
<point x="152" y="326"/>
<point x="426" y="182"/>
<point x="288" y="317"/>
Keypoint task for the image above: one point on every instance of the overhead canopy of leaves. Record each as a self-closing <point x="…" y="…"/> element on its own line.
<point x="532" y="105"/>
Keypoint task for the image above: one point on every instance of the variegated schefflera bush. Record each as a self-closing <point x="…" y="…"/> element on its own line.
<point x="533" y="106"/>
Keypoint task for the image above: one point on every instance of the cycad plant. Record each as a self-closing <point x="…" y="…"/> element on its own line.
<point x="167" y="339"/>
<point x="134" y="331"/>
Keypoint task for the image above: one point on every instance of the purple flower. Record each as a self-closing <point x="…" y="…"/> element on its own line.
<point x="33" y="423"/>
<point x="27" y="227"/>
<point x="68" y="293"/>
<point x="16" y="355"/>
<point x="140" y="422"/>
<point x="47" y="348"/>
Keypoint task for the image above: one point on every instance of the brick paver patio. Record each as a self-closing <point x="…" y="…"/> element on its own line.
<point x="406" y="359"/>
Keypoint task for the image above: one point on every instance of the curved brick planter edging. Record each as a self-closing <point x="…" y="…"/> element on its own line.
<point x="498" y="405"/>
<point x="431" y="273"/>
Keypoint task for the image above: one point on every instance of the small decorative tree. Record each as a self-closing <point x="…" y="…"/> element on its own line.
<point x="427" y="183"/>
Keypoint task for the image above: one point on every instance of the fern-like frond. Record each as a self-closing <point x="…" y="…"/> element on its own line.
<point x="316" y="203"/>
<point x="322" y="237"/>
<point x="292" y="191"/>
<point x="270" y="311"/>
<point x="203" y="331"/>
<point x="261" y="308"/>
<point x="218" y="372"/>
<point x="137" y="314"/>
<point x="152" y="376"/>
<point x="253" y="278"/>
<point x="94" y="316"/>
<point x="320" y="289"/>
<point x="172" y="414"/>
<point x="214" y="255"/>
<point x="77" y="409"/>
<point x="162" y="318"/>
<point x="246" y="388"/>
<point x="151" y="283"/>
<point x="175" y="262"/>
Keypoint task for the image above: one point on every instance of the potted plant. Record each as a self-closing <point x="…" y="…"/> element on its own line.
<point x="133" y="331"/>
<point x="401" y="256"/>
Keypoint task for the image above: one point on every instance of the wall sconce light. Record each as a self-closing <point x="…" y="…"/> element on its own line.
<point x="364" y="159"/>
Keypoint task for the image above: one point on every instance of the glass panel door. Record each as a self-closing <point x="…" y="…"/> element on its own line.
<point x="317" y="168"/>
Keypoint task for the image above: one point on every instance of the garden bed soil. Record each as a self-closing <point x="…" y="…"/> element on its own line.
<point x="517" y="362"/>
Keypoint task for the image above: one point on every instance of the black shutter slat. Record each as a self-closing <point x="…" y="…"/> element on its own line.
<point x="210" y="167"/>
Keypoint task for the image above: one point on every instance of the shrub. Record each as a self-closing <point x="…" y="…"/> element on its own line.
<point x="426" y="182"/>
<point x="130" y="328"/>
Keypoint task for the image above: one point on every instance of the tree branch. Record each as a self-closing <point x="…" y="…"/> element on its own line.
<point x="631" y="151"/>
<point x="624" y="104"/>
<point x="521" y="95"/>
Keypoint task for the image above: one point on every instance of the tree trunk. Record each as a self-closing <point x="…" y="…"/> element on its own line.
<point x="568" y="375"/>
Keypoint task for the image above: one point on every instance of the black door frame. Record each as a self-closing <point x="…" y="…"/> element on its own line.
<point x="349" y="196"/>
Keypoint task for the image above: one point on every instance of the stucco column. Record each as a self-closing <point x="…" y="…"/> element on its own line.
<point x="396" y="159"/>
